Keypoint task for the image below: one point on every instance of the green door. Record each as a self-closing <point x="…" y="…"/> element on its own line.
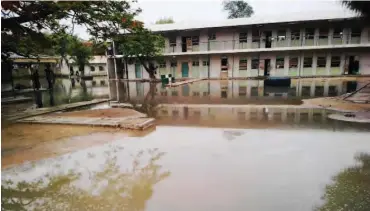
<point x="137" y="71"/>
<point x="185" y="69"/>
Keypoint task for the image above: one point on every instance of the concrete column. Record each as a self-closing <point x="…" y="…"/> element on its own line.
<point x="316" y="36"/>
<point x="288" y="37"/>
<point x="314" y="63"/>
<point x="286" y="65"/>
<point x="330" y="36"/>
<point x="178" y="43"/>
<point x="364" y="35"/>
<point x="284" y="114"/>
<point x="297" y="116"/>
<point x="326" y="88"/>
<point x="274" y="36"/>
<point x="249" y="65"/>
<point x="346" y="36"/>
<point x="310" y="115"/>
<point x="312" y="89"/>
<point x="303" y="37"/>
<point x="342" y="62"/>
<point x="328" y="63"/>
<point x="249" y="39"/>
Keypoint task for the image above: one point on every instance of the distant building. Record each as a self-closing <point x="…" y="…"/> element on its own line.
<point x="250" y="47"/>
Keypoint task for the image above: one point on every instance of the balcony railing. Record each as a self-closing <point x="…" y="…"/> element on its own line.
<point x="273" y="42"/>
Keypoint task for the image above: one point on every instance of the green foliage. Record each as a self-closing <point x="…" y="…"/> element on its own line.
<point x="237" y="9"/>
<point x="24" y="23"/>
<point x="361" y="7"/>
<point x="351" y="188"/>
<point x="165" y="20"/>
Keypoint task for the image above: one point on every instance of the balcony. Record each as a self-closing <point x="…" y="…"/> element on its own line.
<point x="273" y="43"/>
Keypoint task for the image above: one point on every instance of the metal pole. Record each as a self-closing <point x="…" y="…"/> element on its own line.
<point x="114" y="60"/>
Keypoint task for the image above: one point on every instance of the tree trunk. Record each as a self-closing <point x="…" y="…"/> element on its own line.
<point x="151" y="69"/>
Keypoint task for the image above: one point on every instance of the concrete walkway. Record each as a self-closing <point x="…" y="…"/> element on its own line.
<point x="17" y="99"/>
<point x="358" y="117"/>
<point x="183" y="82"/>
<point x="136" y="122"/>
<point x="40" y="111"/>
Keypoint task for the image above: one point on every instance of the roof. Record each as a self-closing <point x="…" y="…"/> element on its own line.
<point x="293" y="17"/>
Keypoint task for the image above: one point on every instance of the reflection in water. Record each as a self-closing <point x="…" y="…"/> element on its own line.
<point x="112" y="187"/>
<point x="231" y="91"/>
<point x="351" y="188"/>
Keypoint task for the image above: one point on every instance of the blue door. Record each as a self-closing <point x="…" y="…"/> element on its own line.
<point x="137" y="71"/>
<point x="185" y="70"/>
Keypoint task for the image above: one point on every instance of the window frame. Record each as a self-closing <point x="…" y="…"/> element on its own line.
<point x="243" y="37"/>
<point x="195" y="63"/>
<point x="283" y="61"/>
<point x="304" y="62"/>
<point x="243" y="61"/>
<point x="92" y="69"/>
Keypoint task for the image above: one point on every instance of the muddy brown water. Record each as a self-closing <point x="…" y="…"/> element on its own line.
<point x="221" y="156"/>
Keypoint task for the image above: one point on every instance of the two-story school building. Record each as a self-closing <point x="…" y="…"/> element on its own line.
<point x="251" y="47"/>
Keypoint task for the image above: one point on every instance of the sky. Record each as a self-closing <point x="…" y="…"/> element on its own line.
<point x="211" y="10"/>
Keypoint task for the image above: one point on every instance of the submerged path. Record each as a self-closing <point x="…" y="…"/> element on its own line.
<point x="40" y="111"/>
<point x="184" y="82"/>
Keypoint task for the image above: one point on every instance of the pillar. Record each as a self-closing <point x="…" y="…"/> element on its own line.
<point x="328" y="63"/>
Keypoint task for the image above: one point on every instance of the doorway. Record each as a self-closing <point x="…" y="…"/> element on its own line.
<point x="184" y="69"/>
<point x="353" y="66"/>
<point x="137" y="70"/>
<point x="268" y="39"/>
<point x="267" y="67"/>
<point x="186" y="44"/>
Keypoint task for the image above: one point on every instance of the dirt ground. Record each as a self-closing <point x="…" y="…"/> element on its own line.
<point x="108" y="113"/>
<point x="337" y="103"/>
<point x="26" y="142"/>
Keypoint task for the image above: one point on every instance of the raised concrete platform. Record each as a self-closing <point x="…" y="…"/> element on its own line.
<point x="358" y="117"/>
<point x="183" y="82"/>
<point x="22" y="91"/>
<point x="136" y="122"/>
<point x="40" y="111"/>
<point x="17" y="99"/>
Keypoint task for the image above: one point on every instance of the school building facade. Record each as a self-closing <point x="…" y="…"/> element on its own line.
<point x="242" y="48"/>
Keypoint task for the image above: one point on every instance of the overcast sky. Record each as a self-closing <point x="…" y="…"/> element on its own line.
<point x="211" y="10"/>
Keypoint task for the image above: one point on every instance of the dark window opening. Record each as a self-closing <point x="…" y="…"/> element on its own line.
<point x="293" y="62"/>
<point x="243" y="37"/>
<point x="212" y="37"/>
<point x="310" y="33"/>
<point x="196" y="63"/>
<point x="255" y="63"/>
<point x="243" y="64"/>
<point x="280" y="63"/>
<point x="335" y="61"/>
<point x="307" y="62"/>
<point x="321" y="61"/>
<point x="195" y="40"/>
<point x="242" y="91"/>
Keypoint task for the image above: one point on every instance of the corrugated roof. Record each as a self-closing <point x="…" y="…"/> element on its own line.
<point x="294" y="17"/>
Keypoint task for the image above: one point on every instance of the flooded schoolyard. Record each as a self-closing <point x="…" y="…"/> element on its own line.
<point x="216" y="145"/>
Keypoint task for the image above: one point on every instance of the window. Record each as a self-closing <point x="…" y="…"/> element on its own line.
<point x="280" y="63"/>
<point x="255" y="36"/>
<point x="307" y="62"/>
<point x="195" y="40"/>
<point x="335" y="61"/>
<point x="255" y="63"/>
<point x="310" y="33"/>
<point x="196" y="94"/>
<point x="242" y="91"/>
<point x="102" y="83"/>
<point x="92" y="69"/>
<point x="205" y="63"/>
<point x="281" y="35"/>
<point x="337" y="33"/>
<point x="321" y="61"/>
<point x="293" y="62"/>
<point x="174" y="93"/>
<point x="162" y="65"/>
<point x="224" y="61"/>
<point x="195" y="63"/>
<point x="173" y="64"/>
<point x="93" y="83"/>
<point x="323" y="33"/>
<point x="355" y="32"/>
<point x="101" y="68"/>
<point x="243" y="64"/>
<point x="172" y="42"/>
<point x="243" y="37"/>
<point x="296" y="35"/>
<point x="212" y="37"/>
<point x="205" y="94"/>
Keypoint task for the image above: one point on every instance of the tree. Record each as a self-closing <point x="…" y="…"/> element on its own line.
<point x="144" y="47"/>
<point x="361" y="7"/>
<point x="237" y="9"/>
<point x="24" y="27"/>
<point x="165" y="20"/>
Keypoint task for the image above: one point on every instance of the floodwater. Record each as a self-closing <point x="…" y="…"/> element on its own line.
<point x="188" y="168"/>
<point x="217" y="145"/>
